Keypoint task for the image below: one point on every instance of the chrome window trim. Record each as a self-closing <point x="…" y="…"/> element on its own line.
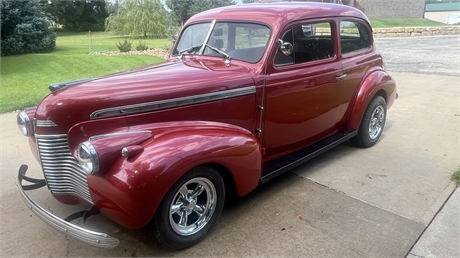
<point x="171" y="103"/>
<point x="44" y="123"/>
<point x="102" y="136"/>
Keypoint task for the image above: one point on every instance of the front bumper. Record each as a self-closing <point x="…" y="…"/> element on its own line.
<point x="87" y="236"/>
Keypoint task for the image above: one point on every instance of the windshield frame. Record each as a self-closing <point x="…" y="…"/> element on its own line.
<point x="201" y="52"/>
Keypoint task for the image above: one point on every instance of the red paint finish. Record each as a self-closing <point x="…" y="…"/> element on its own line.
<point x="301" y="103"/>
<point x="378" y="80"/>
<point x="287" y="108"/>
<point x="131" y="190"/>
<point x="178" y="79"/>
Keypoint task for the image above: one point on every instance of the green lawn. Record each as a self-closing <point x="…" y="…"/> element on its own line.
<point x="390" y="23"/>
<point x="25" y="79"/>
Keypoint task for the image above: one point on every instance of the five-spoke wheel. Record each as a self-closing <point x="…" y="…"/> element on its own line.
<point x="190" y="208"/>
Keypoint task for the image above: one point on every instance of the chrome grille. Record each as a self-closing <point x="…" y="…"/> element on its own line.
<point x="62" y="171"/>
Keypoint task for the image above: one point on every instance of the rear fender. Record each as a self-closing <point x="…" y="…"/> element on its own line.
<point x="377" y="82"/>
<point x="133" y="187"/>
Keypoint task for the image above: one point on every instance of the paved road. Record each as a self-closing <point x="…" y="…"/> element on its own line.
<point x="346" y="203"/>
<point x="428" y="55"/>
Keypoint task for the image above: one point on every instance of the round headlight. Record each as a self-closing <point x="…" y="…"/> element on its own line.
<point x="87" y="157"/>
<point x="24" y="124"/>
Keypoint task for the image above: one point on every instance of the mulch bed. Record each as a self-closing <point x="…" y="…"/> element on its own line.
<point x="152" y="52"/>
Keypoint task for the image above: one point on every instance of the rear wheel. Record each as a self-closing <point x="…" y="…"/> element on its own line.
<point x="190" y="208"/>
<point x="372" y="125"/>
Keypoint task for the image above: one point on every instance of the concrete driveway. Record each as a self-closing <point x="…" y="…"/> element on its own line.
<point x="346" y="203"/>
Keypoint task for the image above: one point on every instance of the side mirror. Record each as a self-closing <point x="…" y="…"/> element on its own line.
<point x="285" y="47"/>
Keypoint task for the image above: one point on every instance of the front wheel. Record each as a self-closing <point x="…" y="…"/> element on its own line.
<point x="190" y="208"/>
<point x="371" y="127"/>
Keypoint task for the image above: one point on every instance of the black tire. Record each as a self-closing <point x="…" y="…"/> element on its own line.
<point x="178" y="223"/>
<point x="372" y="124"/>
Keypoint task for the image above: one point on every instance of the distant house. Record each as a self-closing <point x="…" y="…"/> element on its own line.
<point x="445" y="12"/>
<point x="378" y="9"/>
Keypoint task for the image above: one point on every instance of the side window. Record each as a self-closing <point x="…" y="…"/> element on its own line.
<point x="311" y="42"/>
<point x="354" y="36"/>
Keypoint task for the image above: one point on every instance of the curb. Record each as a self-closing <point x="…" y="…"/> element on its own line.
<point x="416" y="31"/>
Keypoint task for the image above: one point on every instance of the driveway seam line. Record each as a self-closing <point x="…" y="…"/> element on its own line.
<point x="356" y="198"/>
<point x="431" y="221"/>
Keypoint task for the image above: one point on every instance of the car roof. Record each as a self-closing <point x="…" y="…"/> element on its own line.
<point x="278" y="14"/>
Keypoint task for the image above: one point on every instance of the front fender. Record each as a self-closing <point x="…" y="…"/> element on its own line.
<point x="131" y="190"/>
<point x="370" y="86"/>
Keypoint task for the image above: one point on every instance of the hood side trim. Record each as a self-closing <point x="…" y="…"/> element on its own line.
<point x="171" y="103"/>
<point x="61" y="85"/>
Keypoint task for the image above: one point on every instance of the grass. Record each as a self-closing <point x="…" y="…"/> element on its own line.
<point x="411" y="22"/>
<point x="25" y="78"/>
<point x="456" y="176"/>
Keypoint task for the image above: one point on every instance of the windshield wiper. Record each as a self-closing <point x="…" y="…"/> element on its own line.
<point x="222" y="53"/>
<point x="190" y="50"/>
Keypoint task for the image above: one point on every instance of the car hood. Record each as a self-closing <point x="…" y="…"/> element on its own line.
<point x="168" y="80"/>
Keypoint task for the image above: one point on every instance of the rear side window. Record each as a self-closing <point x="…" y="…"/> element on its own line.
<point x="354" y="36"/>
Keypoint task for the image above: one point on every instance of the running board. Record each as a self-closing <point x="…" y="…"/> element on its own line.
<point x="276" y="167"/>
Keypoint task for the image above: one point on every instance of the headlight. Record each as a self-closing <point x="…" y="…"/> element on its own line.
<point x="87" y="157"/>
<point x="24" y="124"/>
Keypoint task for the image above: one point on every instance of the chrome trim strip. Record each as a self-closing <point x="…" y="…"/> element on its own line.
<point x="102" y="136"/>
<point x="61" y="85"/>
<point x="50" y="136"/>
<point x="171" y="103"/>
<point x="84" y="235"/>
<point x="44" y="123"/>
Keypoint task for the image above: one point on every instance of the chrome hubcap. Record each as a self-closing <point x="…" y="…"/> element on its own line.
<point x="192" y="206"/>
<point x="376" y="122"/>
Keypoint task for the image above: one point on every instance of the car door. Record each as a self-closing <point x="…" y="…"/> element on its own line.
<point x="302" y="97"/>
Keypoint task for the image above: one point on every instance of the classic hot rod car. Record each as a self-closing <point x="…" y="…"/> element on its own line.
<point x="248" y="92"/>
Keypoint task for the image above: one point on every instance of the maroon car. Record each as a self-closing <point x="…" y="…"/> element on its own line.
<point x="247" y="93"/>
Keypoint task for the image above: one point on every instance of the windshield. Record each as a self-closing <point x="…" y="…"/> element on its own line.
<point x="239" y="40"/>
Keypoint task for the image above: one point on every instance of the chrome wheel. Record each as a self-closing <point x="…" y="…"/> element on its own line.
<point x="192" y="206"/>
<point x="372" y="124"/>
<point x="376" y="122"/>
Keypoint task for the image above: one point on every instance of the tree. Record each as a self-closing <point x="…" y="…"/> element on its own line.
<point x="139" y="18"/>
<point x="77" y="15"/>
<point x="111" y="6"/>
<point x="184" y="9"/>
<point x="24" y="29"/>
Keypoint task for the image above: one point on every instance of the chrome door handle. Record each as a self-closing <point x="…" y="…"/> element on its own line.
<point x="340" y="77"/>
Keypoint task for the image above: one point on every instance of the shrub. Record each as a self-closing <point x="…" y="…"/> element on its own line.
<point x="24" y="29"/>
<point x="125" y="46"/>
<point x="141" y="46"/>
<point x="456" y="176"/>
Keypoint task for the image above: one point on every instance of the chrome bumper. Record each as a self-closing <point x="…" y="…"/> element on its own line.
<point x="87" y="236"/>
